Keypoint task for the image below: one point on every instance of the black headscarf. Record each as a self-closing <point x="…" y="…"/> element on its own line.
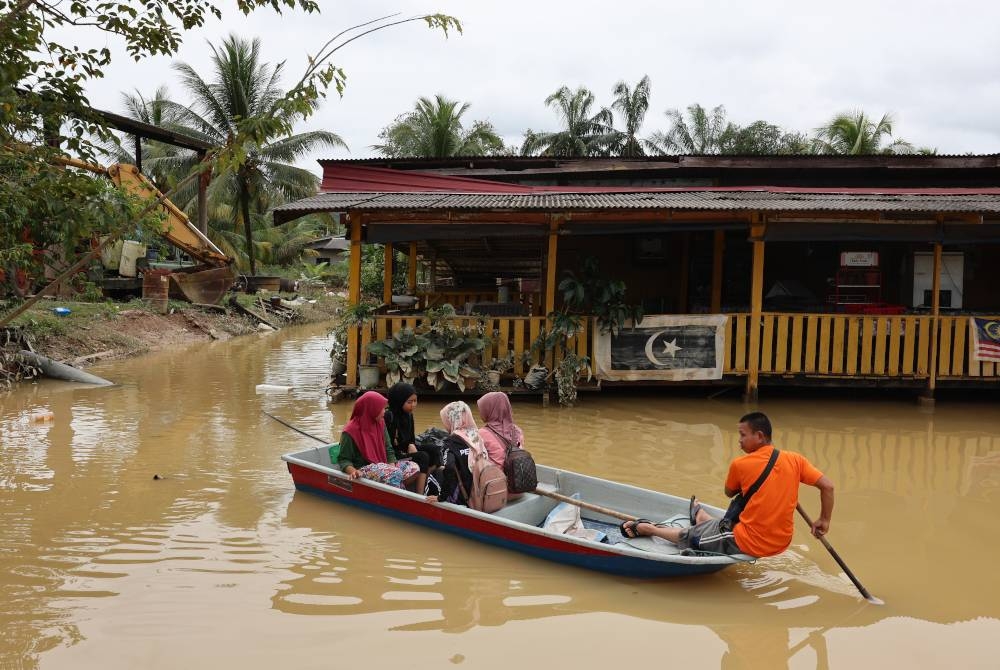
<point x="399" y="421"/>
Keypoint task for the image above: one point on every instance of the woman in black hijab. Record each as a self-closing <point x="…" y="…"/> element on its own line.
<point x="399" y="422"/>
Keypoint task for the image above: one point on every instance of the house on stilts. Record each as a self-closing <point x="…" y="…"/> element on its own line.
<point x="751" y="271"/>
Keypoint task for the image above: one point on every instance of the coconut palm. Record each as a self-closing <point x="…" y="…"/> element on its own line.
<point x="631" y="105"/>
<point x="163" y="163"/>
<point x="244" y="89"/>
<point x="700" y="133"/>
<point x="434" y="129"/>
<point x="584" y="133"/>
<point x="855" y="133"/>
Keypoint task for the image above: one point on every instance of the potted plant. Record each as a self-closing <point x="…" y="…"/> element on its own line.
<point x="450" y="347"/>
<point x="403" y="354"/>
<point x="498" y="367"/>
<point x="361" y="314"/>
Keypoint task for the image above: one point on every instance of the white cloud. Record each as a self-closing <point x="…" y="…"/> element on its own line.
<point x="791" y="63"/>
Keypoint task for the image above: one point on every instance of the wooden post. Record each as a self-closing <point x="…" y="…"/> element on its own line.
<point x="411" y="280"/>
<point x="432" y="279"/>
<point x="353" y="295"/>
<point x="928" y="397"/>
<point x="757" y="228"/>
<point x="718" y="251"/>
<point x="682" y="285"/>
<point x="387" y="276"/>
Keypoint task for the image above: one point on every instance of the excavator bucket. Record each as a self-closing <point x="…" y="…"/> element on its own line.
<point x="203" y="286"/>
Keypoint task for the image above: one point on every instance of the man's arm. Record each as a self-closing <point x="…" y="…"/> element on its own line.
<point x="822" y="524"/>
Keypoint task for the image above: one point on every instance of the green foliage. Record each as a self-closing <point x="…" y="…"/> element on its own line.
<point x="592" y="293"/>
<point x="632" y="105"/>
<point x="373" y="272"/>
<point x="43" y="109"/>
<point x="584" y="132"/>
<point x="440" y="350"/>
<point x="434" y="130"/>
<point x="855" y="133"/>
<point x="700" y="133"/>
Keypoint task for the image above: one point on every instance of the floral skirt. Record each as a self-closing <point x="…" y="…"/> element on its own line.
<point x="393" y="474"/>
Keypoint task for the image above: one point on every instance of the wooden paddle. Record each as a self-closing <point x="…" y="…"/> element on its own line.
<point x="585" y="505"/>
<point x="864" y="592"/>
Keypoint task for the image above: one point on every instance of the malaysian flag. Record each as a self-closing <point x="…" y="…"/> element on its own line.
<point x="985" y="339"/>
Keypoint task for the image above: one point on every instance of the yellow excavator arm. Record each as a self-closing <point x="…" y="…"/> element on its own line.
<point x="204" y="285"/>
<point x="177" y="228"/>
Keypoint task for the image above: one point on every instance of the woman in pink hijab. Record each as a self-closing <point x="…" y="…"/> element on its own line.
<point x="499" y="429"/>
<point x="365" y="450"/>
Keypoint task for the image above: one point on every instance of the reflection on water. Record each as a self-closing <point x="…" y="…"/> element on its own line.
<point x="101" y="565"/>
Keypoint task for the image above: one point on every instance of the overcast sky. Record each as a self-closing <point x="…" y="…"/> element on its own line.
<point x="933" y="65"/>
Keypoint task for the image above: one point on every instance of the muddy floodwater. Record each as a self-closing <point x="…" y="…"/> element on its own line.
<point x="219" y="563"/>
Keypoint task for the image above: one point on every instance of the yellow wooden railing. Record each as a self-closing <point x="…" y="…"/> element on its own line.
<point x="505" y="334"/>
<point x="851" y="345"/>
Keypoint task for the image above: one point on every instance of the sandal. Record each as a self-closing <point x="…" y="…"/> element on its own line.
<point x="630" y="528"/>
<point x="693" y="509"/>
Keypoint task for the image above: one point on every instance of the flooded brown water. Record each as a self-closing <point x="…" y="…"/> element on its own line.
<point x="222" y="564"/>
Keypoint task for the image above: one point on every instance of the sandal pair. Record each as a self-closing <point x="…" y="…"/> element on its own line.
<point x="693" y="509"/>
<point x="630" y="528"/>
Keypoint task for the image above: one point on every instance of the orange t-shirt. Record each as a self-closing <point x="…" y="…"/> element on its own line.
<point x="768" y="521"/>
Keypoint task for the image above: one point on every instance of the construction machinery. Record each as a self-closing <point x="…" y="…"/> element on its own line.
<point x="214" y="274"/>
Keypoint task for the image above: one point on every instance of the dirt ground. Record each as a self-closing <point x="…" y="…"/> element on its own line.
<point x="94" y="332"/>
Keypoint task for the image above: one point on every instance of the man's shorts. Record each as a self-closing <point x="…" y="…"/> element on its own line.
<point x="707" y="536"/>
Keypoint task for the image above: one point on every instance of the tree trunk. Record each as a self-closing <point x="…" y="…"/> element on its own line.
<point x="247" y="227"/>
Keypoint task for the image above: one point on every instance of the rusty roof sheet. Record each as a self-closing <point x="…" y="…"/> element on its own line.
<point x="705" y="200"/>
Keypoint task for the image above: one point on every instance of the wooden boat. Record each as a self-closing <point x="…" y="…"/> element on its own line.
<point x="518" y="525"/>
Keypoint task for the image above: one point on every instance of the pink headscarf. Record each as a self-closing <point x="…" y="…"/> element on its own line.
<point x="367" y="427"/>
<point x="458" y="420"/>
<point x="496" y="411"/>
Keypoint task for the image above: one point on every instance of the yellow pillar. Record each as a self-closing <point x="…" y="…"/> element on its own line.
<point x="935" y="321"/>
<point x="387" y="276"/>
<point x="353" y="295"/>
<point x="411" y="280"/>
<point x="718" y="250"/>
<point x="757" y="228"/>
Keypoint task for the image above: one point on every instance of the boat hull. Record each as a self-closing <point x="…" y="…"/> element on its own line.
<point x="516" y="536"/>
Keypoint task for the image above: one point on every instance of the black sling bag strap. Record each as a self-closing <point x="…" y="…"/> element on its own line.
<point x="740" y="500"/>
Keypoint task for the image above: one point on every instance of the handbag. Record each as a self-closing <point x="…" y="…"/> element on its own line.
<point x="740" y="500"/>
<point x="519" y="466"/>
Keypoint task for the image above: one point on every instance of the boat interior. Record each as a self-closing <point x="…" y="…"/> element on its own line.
<point x="533" y="509"/>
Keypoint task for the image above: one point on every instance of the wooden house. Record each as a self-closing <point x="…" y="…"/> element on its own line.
<point x="793" y="270"/>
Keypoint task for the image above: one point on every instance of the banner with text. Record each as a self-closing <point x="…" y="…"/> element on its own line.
<point x="663" y="347"/>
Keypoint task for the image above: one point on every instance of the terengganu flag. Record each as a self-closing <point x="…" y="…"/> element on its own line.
<point x="985" y="336"/>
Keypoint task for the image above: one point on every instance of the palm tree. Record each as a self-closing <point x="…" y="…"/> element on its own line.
<point x="854" y="133"/>
<point x="244" y="89"/>
<point x="701" y="133"/>
<point x="584" y="134"/>
<point x="434" y="129"/>
<point x="632" y="105"/>
<point x="163" y="163"/>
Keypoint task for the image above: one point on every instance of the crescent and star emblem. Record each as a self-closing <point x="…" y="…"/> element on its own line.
<point x="669" y="348"/>
<point x="992" y="328"/>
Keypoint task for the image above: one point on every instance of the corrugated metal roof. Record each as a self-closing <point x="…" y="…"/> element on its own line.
<point x="776" y="200"/>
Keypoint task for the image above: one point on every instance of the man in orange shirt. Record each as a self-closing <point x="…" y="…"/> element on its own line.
<point x="766" y="524"/>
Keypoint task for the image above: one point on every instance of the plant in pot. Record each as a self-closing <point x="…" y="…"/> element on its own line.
<point x="570" y="366"/>
<point x="450" y="348"/>
<point x="404" y="356"/>
<point x="352" y="316"/>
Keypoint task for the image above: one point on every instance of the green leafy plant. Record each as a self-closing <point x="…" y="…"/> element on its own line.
<point x="591" y="293"/>
<point x="353" y="315"/>
<point x="403" y="354"/>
